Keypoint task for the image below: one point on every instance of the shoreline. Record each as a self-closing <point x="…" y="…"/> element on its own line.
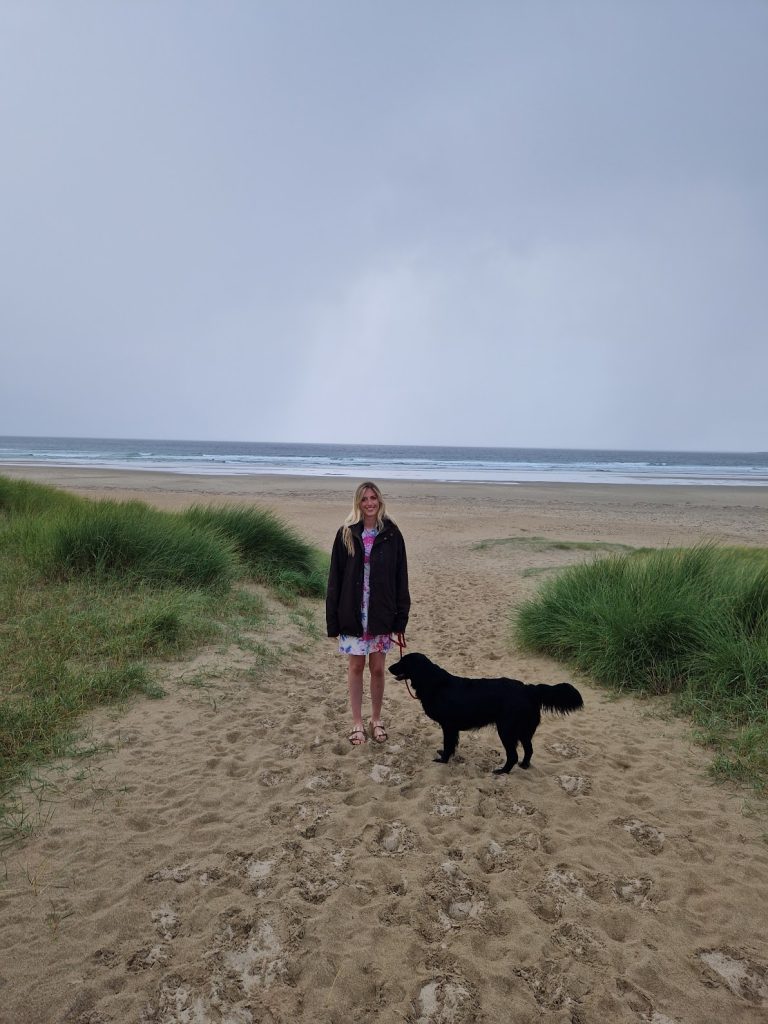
<point x="645" y="516"/>
<point x="66" y="476"/>
<point x="517" y="478"/>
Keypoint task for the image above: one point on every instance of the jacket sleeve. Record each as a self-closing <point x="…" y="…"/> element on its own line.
<point x="402" y="595"/>
<point x="339" y="557"/>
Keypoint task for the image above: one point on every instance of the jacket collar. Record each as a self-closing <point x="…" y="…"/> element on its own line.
<point x="357" y="528"/>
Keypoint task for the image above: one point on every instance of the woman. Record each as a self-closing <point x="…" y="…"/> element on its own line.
<point x="367" y="600"/>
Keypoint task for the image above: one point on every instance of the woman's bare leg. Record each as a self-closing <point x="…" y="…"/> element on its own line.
<point x="355" y="683"/>
<point x="376" y="668"/>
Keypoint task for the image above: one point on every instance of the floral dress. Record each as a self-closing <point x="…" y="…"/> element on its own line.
<point x="365" y="644"/>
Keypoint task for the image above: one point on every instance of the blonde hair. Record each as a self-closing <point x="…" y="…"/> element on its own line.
<point x="357" y="513"/>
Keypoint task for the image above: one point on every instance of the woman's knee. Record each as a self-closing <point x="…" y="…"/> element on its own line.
<point x="356" y="664"/>
<point x="376" y="665"/>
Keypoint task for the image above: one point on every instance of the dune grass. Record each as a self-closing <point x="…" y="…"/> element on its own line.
<point x="132" y="542"/>
<point x="20" y="497"/>
<point x="273" y="553"/>
<point x="692" y="623"/>
<point x="547" y="544"/>
<point x="90" y="592"/>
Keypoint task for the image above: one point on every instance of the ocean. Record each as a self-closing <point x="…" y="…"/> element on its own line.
<point x="390" y="462"/>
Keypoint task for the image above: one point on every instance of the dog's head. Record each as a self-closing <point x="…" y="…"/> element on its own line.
<point x="413" y="667"/>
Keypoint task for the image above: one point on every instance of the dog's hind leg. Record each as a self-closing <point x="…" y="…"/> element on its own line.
<point x="527" y="750"/>
<point x="450" y="742"/>
<point x="527" y="726"/>
<point x="509" y="740"/>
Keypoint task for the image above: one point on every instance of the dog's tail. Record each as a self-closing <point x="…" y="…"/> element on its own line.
<point x="560" y="699"/>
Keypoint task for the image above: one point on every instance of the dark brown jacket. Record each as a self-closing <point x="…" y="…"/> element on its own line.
<point x="389" y="602"/>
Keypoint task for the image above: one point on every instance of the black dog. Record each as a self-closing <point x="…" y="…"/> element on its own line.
<point x="456" y="704"/>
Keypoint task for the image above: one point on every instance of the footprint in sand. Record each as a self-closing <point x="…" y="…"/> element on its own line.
<point x="574" y="785"/>
<point x="453" y="897"/>
<point x="493" y="857"/>
<point x="210" y="875"/>
<point x="143" y="959"/>
<point x="579" y="942"/>
<point x="248" y="954"/>
<point x="565" y="749"/>
<point x="178" y="874"/>
<point x="503" y="803"/>
<point x="308" y="818"/>
<point x="256" y="871"/>
<point x="313" y="876"/>
<point x="529" y="841"/>
<point x="639" y="1002"/>
<point x="551" y="987"/>
<point x="558" y="886"/>
<point x="393" y="839"/>
<point x="650" y="838"/>
<point x="250" y="950"/>
<point x="324" y="780"/>
<point x="744" y="977"/>
<point x="166" y="921"/>
<point x="445" y="1001"/>
<point x="637" y="891"/>
<point x="446" y="801"/>
<point x="560" y="879"/>
<point x="105" y="957"/>
<point x="272" y="777"/>
<point x="384" y="775"/>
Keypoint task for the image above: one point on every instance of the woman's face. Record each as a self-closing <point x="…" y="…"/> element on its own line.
<point x="369" y="504"/>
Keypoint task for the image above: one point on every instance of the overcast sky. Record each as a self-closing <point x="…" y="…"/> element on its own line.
<point x="538" y="223"/>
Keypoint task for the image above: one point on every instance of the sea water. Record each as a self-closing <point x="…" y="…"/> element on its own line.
<point x="389" y="462"/>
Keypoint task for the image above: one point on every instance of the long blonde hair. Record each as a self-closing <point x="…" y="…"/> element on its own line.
<point x="357" y="513"/>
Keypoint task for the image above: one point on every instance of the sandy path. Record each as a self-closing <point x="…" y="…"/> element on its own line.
<point x="233" y="860"/>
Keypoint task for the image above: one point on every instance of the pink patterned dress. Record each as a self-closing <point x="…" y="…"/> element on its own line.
<point x="365" y="644"/>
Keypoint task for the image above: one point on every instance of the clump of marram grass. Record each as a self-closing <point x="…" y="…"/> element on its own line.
<point x="135" y="542"/>
<point x="22" y="497"/>
<point x="689" y="622"/>
<point x="273" y="552"/>
<point x="90" y="590"/>
<point x="547" y="544"/>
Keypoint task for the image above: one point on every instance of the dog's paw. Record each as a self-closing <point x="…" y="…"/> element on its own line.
<point x="441" y="758"/>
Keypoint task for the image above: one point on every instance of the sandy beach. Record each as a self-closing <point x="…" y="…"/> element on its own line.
<point x="229" y="858"/>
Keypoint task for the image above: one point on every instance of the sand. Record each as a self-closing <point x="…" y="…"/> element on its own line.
<point x="231" y="859"/>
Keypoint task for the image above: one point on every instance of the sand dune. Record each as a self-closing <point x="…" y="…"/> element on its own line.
<point x="232" y="859"/>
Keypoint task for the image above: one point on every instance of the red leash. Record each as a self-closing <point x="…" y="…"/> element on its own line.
<point x="400" y="641"/>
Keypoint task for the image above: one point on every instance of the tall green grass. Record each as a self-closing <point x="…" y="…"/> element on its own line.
<point x="132" y="541"/>
<point x="21" y="497"/>
<point x="90" y="591"/>
<point x="692" y="623"/>
<point x="273" y="553"/>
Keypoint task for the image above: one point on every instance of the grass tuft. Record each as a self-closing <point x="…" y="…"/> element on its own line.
<point x="273" y="553"/>
<point x="23" y="498"/>
<point x="689" y="622"/>
<point x="133" y="541"/>
<point x="545" y="544"/>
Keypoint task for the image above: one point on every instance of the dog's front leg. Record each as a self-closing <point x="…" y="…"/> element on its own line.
<point x="450" y="742"/>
